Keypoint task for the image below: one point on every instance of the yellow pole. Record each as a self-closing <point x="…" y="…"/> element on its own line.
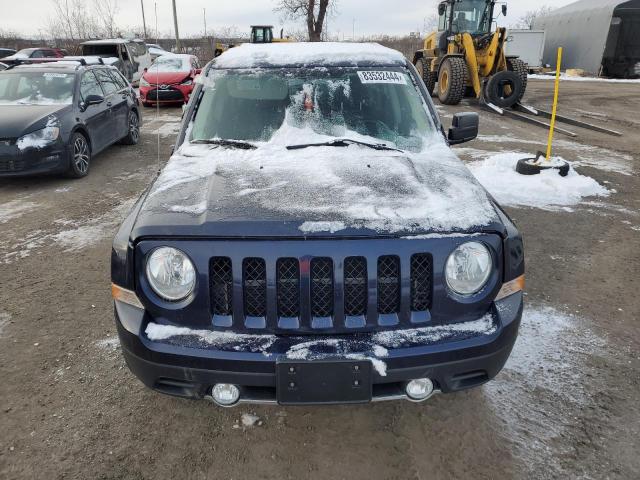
<point x="555" y="103"/>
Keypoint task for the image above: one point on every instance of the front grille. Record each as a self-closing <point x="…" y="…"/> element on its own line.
<point x="421" y="268"/>
<point x="12" y="164"/>
<point x="321" y="287"/>
<point x="355" y="286"/>
<point x="221" y="286"/>
<point x="300" y="294"/>
<point x="388" y="284"/>
<point x="288" y="287"/>
<point x="169" y="94"/>
<point x="254" y="280"/>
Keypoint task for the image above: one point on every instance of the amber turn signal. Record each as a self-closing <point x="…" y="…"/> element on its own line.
<point x="125" y="296"/>
<point x="509" y="288"/>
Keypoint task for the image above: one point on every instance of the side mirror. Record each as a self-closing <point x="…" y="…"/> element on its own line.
<point x="504" y="9"/>
<point x="464" y="127"/>
<point x="442" y="8"/>
<point x="93" y="100"/>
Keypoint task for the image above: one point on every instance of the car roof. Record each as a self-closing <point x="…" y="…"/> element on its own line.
<point x="69" y="66"/>
<point x="309" y="54"/>
<point x="109" y="41"/>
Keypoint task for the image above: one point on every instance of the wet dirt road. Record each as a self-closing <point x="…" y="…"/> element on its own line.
<point x="566" y="406"/>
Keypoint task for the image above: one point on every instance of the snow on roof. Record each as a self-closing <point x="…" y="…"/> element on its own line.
<point x="108" y="41"/>
<point x="309" y="54"/>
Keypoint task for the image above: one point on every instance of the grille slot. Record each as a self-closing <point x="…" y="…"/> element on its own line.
<point x="221" y="286"/>
<point x="288" y="287"/>
<point x="421" y="282"/>
<point x="355" y="286"/>
<point x="321" y="287"/>
<point x="388" y="284"/>
<point x="254" y="281"/>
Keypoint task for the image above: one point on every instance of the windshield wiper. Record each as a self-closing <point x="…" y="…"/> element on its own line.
<point x="343" y="142"/>
<point x="226" y="143"/>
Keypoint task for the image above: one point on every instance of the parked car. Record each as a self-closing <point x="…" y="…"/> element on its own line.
<point x="131" y="57"/>
<point x="156" y="51"/>
<point x="5" y="52"/>
<point x="314" y="239"/>
<point x="169" y="80"/>
<point x="55" y="117"/>
<point x="34" y="54"/>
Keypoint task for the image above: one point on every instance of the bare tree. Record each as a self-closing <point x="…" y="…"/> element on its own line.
<point x="313" y="12"/>
<point x="105" y="14"/>
<point x="526" y="21"/>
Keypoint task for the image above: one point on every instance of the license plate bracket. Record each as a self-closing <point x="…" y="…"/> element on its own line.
<point x="323" y="382"/>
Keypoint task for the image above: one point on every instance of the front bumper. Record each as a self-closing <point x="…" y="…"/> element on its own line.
<point x="186" y="371"/>
<point x="32" y="161"/>
<point x="170" y="95"/>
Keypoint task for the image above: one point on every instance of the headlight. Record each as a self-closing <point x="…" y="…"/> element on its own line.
<point x="468" y="268"/>
<point x="188" y="81"/>
<point x="144" y="83"/>
<point x="39" y="138"/>
<point x="171" y="274"/>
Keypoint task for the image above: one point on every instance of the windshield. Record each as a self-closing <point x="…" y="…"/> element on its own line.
<point x="169" y="63"/>
<point x="473" y="16"/>
<point x="36" y="88"/>
<point x="313" y="105"/>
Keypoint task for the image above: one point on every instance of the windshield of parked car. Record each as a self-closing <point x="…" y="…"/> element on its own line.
<point x="36" y="88"/>
<point x="171" y="63"/>
<point x="306" y="105"/>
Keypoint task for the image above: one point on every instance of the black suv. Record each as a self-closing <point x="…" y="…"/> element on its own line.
<point x="314" y="239"/>
<point x="55" y="117"/>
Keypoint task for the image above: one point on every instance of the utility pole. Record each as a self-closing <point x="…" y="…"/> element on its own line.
<point x="175" y="25"/>
<point x="144" y="22"/>
<point x="204" y="16"/>
<point x="354" y="30"/>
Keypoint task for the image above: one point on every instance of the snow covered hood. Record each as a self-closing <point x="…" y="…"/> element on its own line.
<point x="324" y="54"/>
<point x="212" y="191"/>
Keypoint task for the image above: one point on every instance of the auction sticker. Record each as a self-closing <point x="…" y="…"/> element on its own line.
<point x="382" y="76"/>
<point x="55" y="75"/>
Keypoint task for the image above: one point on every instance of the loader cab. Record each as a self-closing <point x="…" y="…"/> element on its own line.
<point x="472" y="16"/>
<point x="261" y="34"/>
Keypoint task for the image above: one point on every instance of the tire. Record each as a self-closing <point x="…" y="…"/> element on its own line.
<point x="504" y="89"/>
<point x="527" y="167"/>
<point x="423" y="65"/>
<point x="452" y="80"/>
<point x="520" y="68"/>
<point x="133" y="124"/>
<point x="80" y="152"/>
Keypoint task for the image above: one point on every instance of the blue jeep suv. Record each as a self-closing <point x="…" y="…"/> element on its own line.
<point x="314" y="240"/>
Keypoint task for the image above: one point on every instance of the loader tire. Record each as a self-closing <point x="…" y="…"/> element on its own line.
<point x="503" y="89"/>
<point x="423" y="65"/>
<point x="520" y="68"/>
<point x="452" y="80"/>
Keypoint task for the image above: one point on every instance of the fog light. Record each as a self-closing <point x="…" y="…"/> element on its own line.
<point x="419" y="389"/>
<point x="225" y="394"/>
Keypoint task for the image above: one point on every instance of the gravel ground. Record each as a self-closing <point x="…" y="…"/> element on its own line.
<point x="566" y="406"/>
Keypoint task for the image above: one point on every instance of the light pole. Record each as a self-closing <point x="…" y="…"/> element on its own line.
<point x="204" y="17"/>
<point x="175" y="25"/>
<point x="144" y="22"/>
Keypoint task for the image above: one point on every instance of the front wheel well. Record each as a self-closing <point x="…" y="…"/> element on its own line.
<point x="84" y="132"/>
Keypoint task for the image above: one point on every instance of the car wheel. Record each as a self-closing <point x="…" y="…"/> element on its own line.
<point x="80" y="156"/>
<point x="133" y="135"/>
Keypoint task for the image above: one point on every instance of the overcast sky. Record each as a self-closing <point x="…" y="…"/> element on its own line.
<point x="393" y="17"/>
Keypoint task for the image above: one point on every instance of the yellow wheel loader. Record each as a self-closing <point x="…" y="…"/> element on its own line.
<point x="465" y="57"/>
<point x="264" y="34"/>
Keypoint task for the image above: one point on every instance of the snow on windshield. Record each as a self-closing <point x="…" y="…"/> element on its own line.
<point x="36" y="88"/>
<point x="171" y="63"/>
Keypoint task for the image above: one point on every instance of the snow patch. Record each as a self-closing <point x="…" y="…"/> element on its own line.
<point x="317" y="227"/>
<point x="197" y="209"/>
<point x="110" y="343"/>
<point x="548" y="190"/>
<point x="567" y="78"/>
<point x="40" y="138"/>
<point x="5" y="318"/>
<point x="15" y="209"/>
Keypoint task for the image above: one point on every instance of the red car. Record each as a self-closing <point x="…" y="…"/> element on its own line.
<point x="169" y="79"/>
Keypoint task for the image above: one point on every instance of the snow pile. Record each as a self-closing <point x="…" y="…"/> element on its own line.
<point x="308" y="54"/>
<point x="315" y="227"/>
<point x="15" y="209"/>
<point x="565" y="77"/>
<point x="547" y="191"/>
<point x="5" y="318"/>
<point x="235" y="341"/>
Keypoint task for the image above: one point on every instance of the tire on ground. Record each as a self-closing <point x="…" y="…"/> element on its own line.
<point x="503" y="89"/>
<point x="452" y="80"/>
<point x="526" y="166"/>
<point x="133" y="129"/>
<point x="522" y="70"/>
<point x="423" y="65"/>
<point x="79" y="147"/>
